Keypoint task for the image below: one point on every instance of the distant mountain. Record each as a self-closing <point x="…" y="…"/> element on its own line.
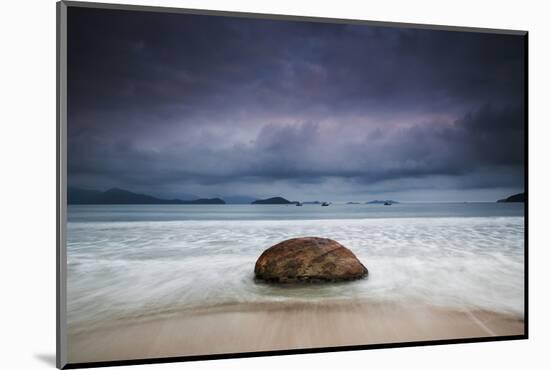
<point x="121" y="196"/>
<point x="516" y="198"/>
<point x="274" y="200"/>
<point x="382" y="202"/>
<point x="238" y="199"/>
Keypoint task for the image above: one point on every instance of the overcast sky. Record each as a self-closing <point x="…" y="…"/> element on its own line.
<point x="176" y="105"/>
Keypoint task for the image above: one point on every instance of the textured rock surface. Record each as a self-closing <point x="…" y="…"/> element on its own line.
<point x="308" y="259"/>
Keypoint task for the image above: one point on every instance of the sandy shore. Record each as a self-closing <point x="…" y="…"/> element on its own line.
<point x="261" y="327"/>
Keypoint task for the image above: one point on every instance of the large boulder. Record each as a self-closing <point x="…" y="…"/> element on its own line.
<point x="308" y="259"/>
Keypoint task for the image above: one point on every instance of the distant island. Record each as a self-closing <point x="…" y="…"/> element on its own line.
<point x="312" y="202"/>
<point x="274" y="200"/>
<point x="353" y="203"/>
<point x="382" y="202"/>
<point x="121" y="196"/>
<point x="516" y="198"/>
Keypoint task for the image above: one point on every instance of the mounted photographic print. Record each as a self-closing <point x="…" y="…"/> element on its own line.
<point x="234" y="184"/>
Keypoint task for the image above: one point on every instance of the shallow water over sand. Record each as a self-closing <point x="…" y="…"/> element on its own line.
<point x="129" y="262"/>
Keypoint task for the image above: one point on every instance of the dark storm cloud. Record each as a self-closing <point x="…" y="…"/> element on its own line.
<point x="308" y="152"/>
<point x="166" y="101"/>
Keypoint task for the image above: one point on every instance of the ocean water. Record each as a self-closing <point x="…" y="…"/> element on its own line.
<point x="135" y="262"/>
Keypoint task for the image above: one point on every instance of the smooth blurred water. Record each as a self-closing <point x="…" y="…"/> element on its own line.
<point x="142" y="261"/>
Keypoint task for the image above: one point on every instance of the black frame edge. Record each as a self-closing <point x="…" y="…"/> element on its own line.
<point x="526" y="187"/>
<point x="286" y="17"/>
<point x="61" y="98"/>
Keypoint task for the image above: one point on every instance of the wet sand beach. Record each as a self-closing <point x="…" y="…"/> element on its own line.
<point x="277" y="326"/>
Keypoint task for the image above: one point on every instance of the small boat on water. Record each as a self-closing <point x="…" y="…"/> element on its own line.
<point x="387" y="203"/>
<point x="325" y="204"/>
<point x="299" y="204"/>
